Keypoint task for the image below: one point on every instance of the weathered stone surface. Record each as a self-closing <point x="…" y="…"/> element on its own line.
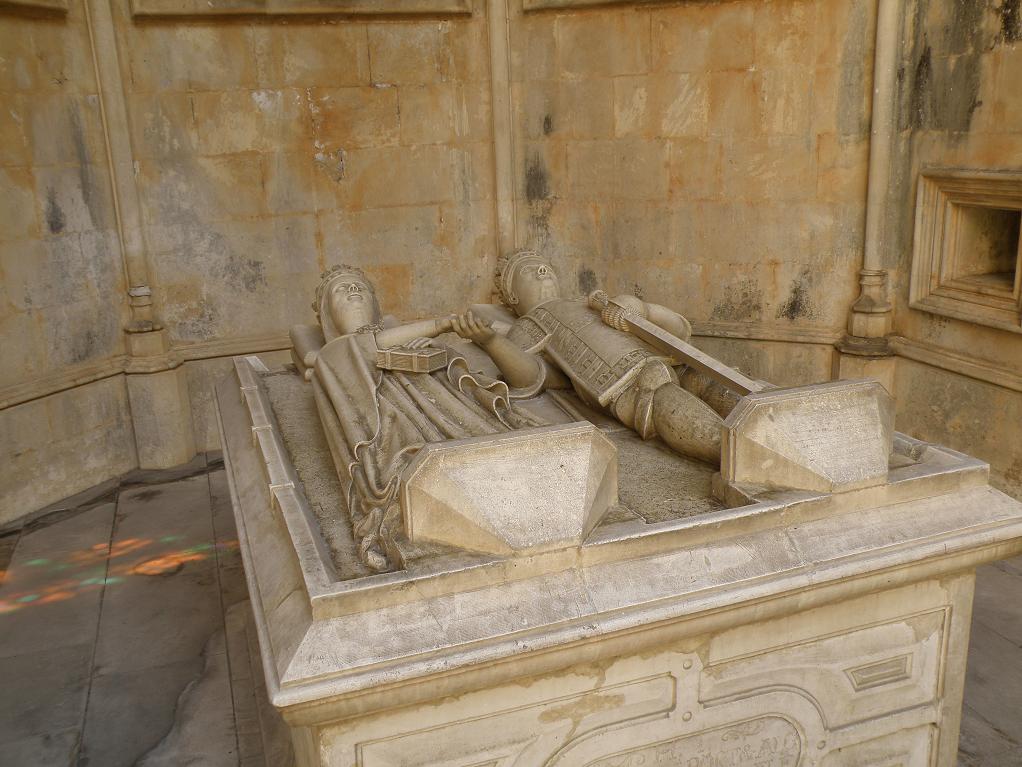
<point x="62" y="444"/>
<point x="825" y="437"/>
<point x="544" y="489"/>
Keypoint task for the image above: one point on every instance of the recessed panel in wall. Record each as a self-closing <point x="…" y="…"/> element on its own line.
<point x="297" y="7"/>
<point x="967" y="259"/>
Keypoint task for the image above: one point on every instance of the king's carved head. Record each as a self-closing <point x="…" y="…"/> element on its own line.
<point x="526" y="280"/>
<point x="346" y="299"/>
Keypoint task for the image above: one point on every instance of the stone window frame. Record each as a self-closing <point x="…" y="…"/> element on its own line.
<point x="933" y="287"/>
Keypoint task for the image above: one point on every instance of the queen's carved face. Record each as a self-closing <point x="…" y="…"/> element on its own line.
<point x="534" y="284"/>
<point x="352" y="303"/>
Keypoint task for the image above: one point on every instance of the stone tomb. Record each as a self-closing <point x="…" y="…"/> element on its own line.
<point x="672" y="616"/>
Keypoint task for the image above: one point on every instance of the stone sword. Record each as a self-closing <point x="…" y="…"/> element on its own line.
<point x="617" y="316"/>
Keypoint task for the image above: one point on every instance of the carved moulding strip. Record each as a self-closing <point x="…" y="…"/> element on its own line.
<point x="35" y="6"/>
<point x="299" y="7"/>
<point x="233" y="347"/>
<point x="954" y="362"/>
<point x="90" y="372"/>
<point x="545" y="5"/>
<point x="70" y="378"/>
<point x="761" y="331"/>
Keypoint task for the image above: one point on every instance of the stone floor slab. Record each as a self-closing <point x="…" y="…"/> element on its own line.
<point x="993" y="681"/>
<point x="981" y="745"/>
<point x="159" y="618"/>
<point x="44" y="692"/>
<point x="166" y="604"/>
<point x="130" y="712"/>
<point x="203" y="734"/>
<point x="59" y="747"/>
<point x="53" y="589"/>
<point x="1012" y="566"/>
<point x="998" y="603"/>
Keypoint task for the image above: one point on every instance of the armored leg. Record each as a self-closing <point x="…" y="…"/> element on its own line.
<point x="686" y="423"/>
<point x="718" y="397"/>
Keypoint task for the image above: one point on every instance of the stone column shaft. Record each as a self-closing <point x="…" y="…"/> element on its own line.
<point x="871" y="313"/>
<point x="157" y="386"/>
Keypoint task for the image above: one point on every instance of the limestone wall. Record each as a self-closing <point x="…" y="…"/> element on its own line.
<point x="263" y="151"/>
<point x="960" y="106"/>
<point x="269" y="151"/>
<point x="709" y="156"/>
<point x="61" y="278"/>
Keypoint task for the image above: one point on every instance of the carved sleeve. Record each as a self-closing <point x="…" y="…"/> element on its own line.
<point x="305" y="340"/>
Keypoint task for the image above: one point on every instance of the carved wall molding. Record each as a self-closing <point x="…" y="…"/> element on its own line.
<point x="546" y="5"/>
<point x="82" y="375"/>
<point x="232" y="347"/>
<point x="68" y="378"/>
<point x="954" y="362"/>
<point x="141" y="8"/>
<point x="748" y="331"/>
<point x="34" y="6"/>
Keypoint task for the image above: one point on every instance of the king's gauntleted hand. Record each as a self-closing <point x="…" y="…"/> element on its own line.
<point x="469" y="326"/>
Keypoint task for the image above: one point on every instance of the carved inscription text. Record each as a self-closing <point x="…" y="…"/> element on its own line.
<point x="769" y="741"/>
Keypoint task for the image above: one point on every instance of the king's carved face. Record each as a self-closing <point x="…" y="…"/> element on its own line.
<point x="352" y="303"/>
<point x="534" y="283"/>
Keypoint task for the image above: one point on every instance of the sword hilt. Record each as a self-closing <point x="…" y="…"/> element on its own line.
<point x="612" y="314"/>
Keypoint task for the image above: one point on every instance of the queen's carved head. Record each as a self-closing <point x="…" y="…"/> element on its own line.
<point x="526" y="280"/>
<point x="345" y="302"/>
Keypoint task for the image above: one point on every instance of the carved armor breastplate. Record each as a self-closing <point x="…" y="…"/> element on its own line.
<point x="599" y="360"/>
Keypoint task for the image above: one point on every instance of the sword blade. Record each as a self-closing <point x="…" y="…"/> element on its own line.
<point x="687" y="354"/>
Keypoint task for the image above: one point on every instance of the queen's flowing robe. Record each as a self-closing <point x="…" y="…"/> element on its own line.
<point x="377" y="420"/>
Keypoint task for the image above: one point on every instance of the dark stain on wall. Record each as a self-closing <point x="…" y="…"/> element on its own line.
<point x="856" y="54"/>
<point x="537" y="182"/>
<point x="742" y="302"/>
<point x="587" y="281"/>
<point x="84" y="167"/>
<point x="85" y="345"/>
<point x="202" y="324"/>
<point x="964" y="33"/>
<point x="798" y="303"/>
<point x="1011" y="21"/>
<point x="246" y="272"/>
<point x="55" y="221"/>
<point x="548" y="125"/>
<point x="919" y="97"/>
<point x="943" y="93"/>
<point x="539" y="236"/>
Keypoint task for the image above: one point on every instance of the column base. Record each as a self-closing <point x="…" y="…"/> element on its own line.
<point x="864" y="358"/>
<point x="161" y="412"/>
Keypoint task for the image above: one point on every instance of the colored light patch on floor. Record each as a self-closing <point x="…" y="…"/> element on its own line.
<point x="100" y="565"/>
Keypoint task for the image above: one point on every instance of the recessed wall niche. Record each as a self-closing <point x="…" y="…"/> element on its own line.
<point x="966" y="260"/>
